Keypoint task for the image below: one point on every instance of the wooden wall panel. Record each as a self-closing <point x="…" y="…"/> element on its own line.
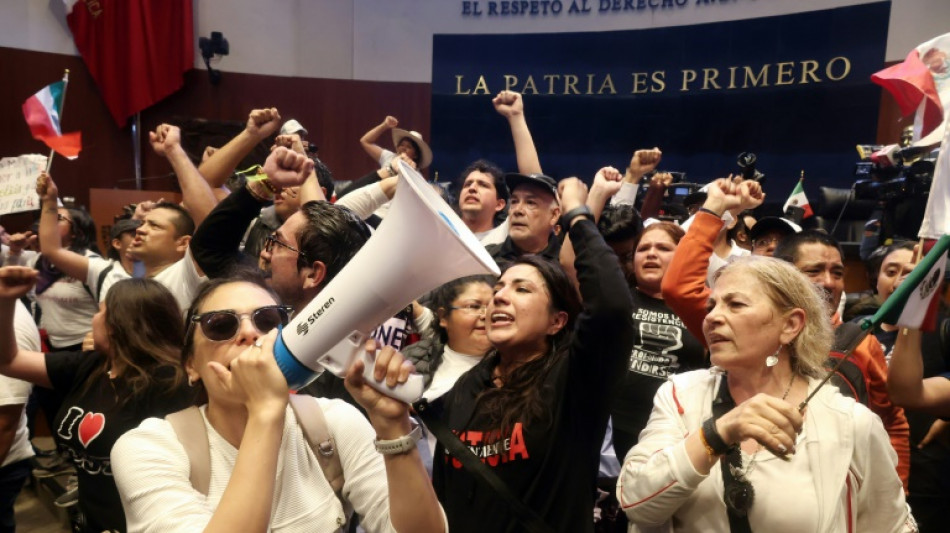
<point x="335" y="112"/>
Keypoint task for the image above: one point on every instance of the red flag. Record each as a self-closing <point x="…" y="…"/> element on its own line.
<point x="921" y="83"/>
<point x="42" y="112"/>
<point x="136" y="50"/>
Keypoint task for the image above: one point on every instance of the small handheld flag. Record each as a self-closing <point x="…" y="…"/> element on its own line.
<point x="798" y="199"/>
<point x="909" y="304"/>
<point x="43" y="112"/>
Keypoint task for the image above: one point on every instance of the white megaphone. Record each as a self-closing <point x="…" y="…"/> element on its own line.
<point x="420" y="245"/>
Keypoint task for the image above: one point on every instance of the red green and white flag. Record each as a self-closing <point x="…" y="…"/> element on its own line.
<point x="42" y="113"/>
<point x="913" y="305"/>
<point x="798" y="199"/>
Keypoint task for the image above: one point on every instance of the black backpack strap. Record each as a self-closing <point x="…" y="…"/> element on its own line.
<point x="531" y="521"/>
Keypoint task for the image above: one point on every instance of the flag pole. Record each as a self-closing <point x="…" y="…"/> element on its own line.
<point x="62" y="107"/>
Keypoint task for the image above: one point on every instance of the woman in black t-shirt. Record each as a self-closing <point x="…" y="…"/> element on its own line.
<point x="534" y="410"/>
<point x="134" y="373"/>
<point x="662" y="346"/>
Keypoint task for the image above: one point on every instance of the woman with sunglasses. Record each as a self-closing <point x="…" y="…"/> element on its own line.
<point x="131" y="375"/>
<point x="263" y="472"/>
<point x="730" y="449"/>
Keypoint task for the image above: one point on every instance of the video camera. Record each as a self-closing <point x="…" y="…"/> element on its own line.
<point x="890" y="173"/>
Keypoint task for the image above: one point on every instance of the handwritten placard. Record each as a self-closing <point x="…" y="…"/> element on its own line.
<point x="18" y="183"/>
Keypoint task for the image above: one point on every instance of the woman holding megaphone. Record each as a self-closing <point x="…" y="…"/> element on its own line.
<point x="264" y="470"/>
<point x="535" y="409"/>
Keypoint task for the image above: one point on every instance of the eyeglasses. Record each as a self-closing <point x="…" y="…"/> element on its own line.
<point x="273" y="239"/>
<point x="63" y="218"/>
<point x="470" y="309"/>
<point x="765" y="242"/>
<point x="223" y="325"/>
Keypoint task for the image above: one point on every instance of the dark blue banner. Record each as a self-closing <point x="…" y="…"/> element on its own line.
<point x="793" y="89"/>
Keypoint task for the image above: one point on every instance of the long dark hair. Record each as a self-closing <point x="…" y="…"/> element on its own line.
<point x="145" y="330"/>
<point x="247" y="275"/>
<point x="82" y="230"/>
<point x="524" y="396"/>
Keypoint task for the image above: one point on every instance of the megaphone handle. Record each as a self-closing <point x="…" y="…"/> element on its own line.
<point x="408" y="392"/>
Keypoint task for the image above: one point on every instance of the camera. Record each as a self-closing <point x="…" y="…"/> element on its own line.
<point x="746" y="162"/>
<point x="893" y="173"/>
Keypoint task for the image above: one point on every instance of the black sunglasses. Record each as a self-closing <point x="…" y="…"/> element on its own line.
<point x="223" y="325"/>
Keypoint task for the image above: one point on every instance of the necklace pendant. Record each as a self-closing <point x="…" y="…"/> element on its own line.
<point x="737" y="473"/>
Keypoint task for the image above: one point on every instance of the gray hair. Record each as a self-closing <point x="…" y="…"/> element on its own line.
<point x="788" y="289"/>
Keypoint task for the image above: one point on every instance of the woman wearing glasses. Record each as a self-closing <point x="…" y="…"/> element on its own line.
<point x="133" y="374"/>
<point x="730" y="449"/>
<point x="263" y="473"/>
<point x="457" y="340"/>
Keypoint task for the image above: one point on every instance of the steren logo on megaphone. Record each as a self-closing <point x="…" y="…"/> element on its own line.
<point x="304" y="326"/>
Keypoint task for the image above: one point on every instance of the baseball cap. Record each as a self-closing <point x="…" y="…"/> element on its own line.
<point x="546" y="182"/>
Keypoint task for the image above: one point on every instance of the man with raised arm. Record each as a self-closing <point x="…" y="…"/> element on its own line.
<point x="161" y="241"/>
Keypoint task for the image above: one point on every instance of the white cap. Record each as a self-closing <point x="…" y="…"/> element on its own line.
<point x="292" y="126"/>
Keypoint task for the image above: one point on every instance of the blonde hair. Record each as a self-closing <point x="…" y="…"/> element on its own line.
<point x="788" y="289"/>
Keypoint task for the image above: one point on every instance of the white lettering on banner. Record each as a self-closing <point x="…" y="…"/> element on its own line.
<point x="18" y="183"/>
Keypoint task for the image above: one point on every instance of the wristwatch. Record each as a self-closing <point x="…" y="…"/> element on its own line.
<point x="580" y="211"/>
<point x="401" y="445"/>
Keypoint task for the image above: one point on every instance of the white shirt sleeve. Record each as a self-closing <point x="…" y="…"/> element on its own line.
<point x="364" y="201"/>
<point x="626" y="195"/>
<point x="385" y="158"/>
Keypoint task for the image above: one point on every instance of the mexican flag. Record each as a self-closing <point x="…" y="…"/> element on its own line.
<point x="921" y="84"/>
<point x="913" y="305"/>
<point x="798" y="199"/>
<point x="42" y="113"/>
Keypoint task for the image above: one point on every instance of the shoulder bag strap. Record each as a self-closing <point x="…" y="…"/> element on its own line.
<point x="190" y="429"/>
<point x="531" y="521"/>
<point x="314" y="426"/>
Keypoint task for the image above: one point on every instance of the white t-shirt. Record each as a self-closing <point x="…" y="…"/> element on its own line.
<point x="67" y="309"/>
<point x="97" y="266"/>
<point x="181" y="278"/>
<point x="496" y="235"/>
<point x="151" y="471"/>
<point x="716" y="262"/>
<point x="15" y="391"/>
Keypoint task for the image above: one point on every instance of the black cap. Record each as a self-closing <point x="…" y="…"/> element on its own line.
<point x="546" y="182"/>
<point x="767" y="224"/>
<point x="124" y="225"/>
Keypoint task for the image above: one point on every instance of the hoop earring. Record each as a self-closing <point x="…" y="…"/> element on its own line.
<point x="191" y="381"/>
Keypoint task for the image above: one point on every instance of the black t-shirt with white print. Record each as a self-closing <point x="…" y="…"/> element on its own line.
<point x="89" y="422"/>
<point x="662" y="346"/>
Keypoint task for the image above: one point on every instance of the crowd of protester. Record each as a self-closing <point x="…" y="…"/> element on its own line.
<point x="625" y="370"/>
